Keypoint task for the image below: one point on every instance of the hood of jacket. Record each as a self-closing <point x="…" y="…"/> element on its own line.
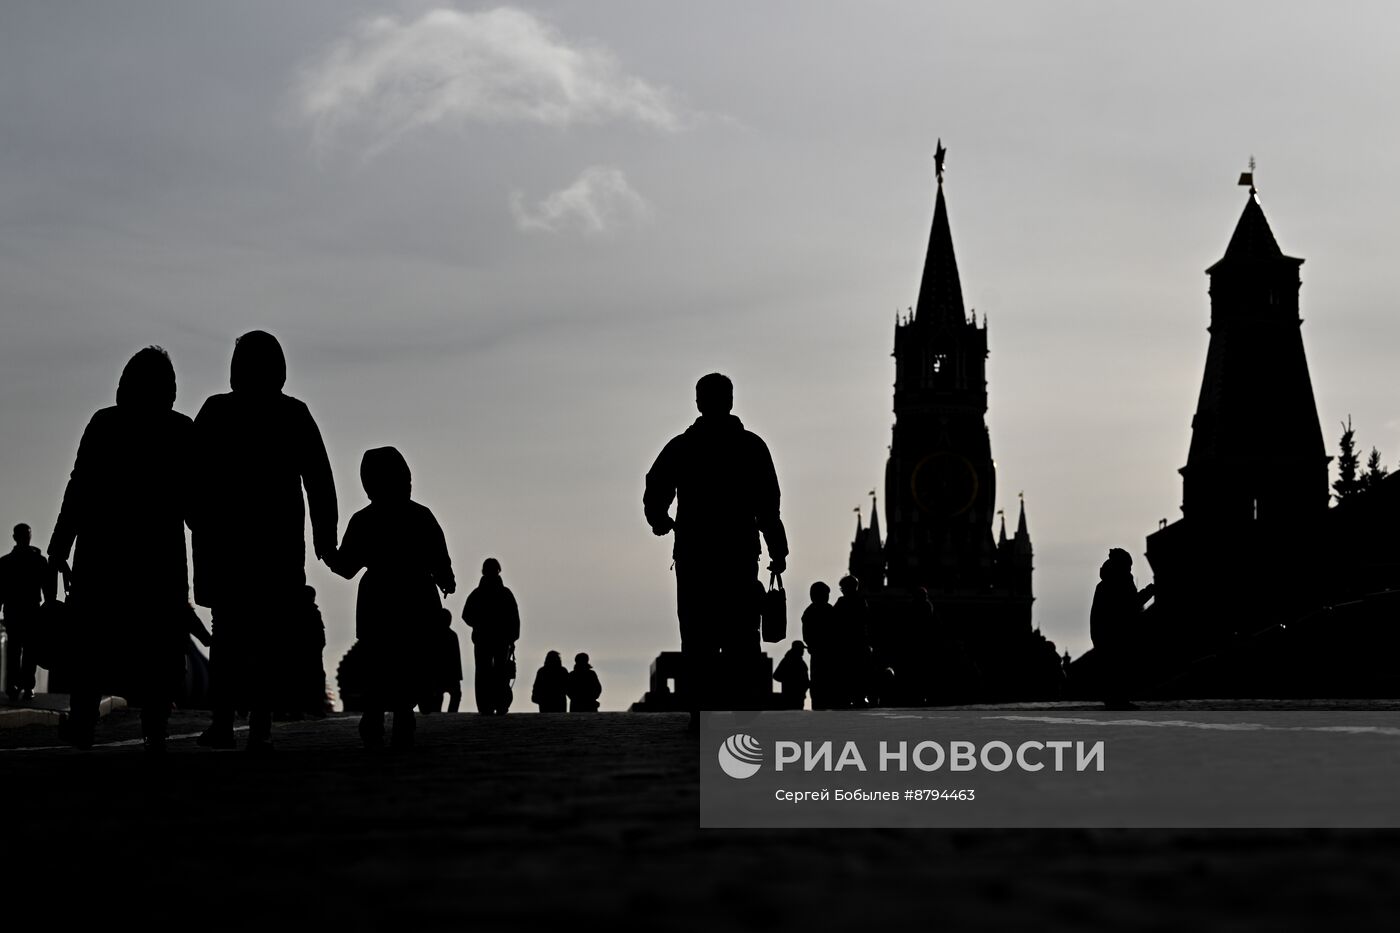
<point x="259" y="365"/>
<point x="385" y="475"/>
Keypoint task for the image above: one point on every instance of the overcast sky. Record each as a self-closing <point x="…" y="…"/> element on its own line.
<point x="507" y="240"/>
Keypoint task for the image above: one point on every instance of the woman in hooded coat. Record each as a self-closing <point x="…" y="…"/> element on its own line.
<point x="258" y="448"/>
<point x="125" y="508"/>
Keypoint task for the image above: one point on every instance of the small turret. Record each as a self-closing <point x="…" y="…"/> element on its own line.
<point x="867" y="561"/>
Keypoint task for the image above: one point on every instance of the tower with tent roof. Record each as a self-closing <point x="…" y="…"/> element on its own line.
<point x="940" y="479"/>
<point x="1255" y="486"/>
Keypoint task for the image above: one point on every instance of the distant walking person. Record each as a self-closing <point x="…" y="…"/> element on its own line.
<point x="442" y="669"/>
<point x="125" y="508"/>
<point x="551" y="690"/>
<point x="257" y="448"/>
<point x="494" y="618"/>
<point x="726" y="492"/>
<point x="401" y="548"/>
<point x="584" y="688"/>
<point x="1114" y="627"/>
<point x="24" y="578"/>
<point x="793" y="678"/>
<point x="850" y="646"/>
<point x="818" y="634"/>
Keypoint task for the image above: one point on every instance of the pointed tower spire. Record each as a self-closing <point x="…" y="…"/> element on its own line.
<point x="872" y="540"/>
<point x="1001" y="538"/>
<point x="940" y="291"/>
<point x="1252" y="243"/>
<point x="867" y="561"/>
<point x="1023" y="535"/>
<point x="1256" y="393"/>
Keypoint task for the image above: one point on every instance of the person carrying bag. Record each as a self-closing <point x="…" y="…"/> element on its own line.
<point x="774" y="610"/>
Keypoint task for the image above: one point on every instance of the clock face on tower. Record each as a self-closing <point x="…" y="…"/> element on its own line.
<point x="944" y="484"/>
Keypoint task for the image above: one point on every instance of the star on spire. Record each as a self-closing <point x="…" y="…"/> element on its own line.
<point x="939" y="154"/>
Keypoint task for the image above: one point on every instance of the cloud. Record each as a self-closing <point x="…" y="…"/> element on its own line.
<point x="599" y="201"/>
<point x="390" y="77"/>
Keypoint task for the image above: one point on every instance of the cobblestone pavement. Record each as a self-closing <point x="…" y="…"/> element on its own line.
<point x="508" y="823"/>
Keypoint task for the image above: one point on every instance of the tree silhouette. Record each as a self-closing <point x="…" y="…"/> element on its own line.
<point x="1347" y="483"/>
<point x="1374" y="471"/>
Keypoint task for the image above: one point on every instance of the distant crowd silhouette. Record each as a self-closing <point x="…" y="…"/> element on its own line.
<point x="245" y="473"/>
<point x="235" y="475"/>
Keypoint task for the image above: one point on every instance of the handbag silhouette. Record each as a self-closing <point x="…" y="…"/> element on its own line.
<point x="774" y="611"/>
<point x="54" y="638"/>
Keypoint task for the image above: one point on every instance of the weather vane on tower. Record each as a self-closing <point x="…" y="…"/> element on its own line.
<point x="1247" y="178"/>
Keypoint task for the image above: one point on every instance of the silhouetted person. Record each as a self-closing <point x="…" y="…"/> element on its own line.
<point x="726" y="492"/>
<point x="1114" y="623"/>
<point x="24" y="579"/>
<point x="443" y="669"/>
<point x="310" y="670"/>
<point x="401" y="548"/>
<point x="584" y="687"/>
<point x="257" y="448"/>
<point x="818" y="633"/>
<point x="792" y="677"/>
<point x="850" y="648"/>
<point x="923" y="655"/>
<point x="551" y="690"/>
<point x="125" y="507"/>
<point x="494" y="618"/>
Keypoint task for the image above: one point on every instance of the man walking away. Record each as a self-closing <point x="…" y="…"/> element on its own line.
<point x="494" y="618"/>
<point x="24" y="573"/>
<point x="722" y="479"/>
